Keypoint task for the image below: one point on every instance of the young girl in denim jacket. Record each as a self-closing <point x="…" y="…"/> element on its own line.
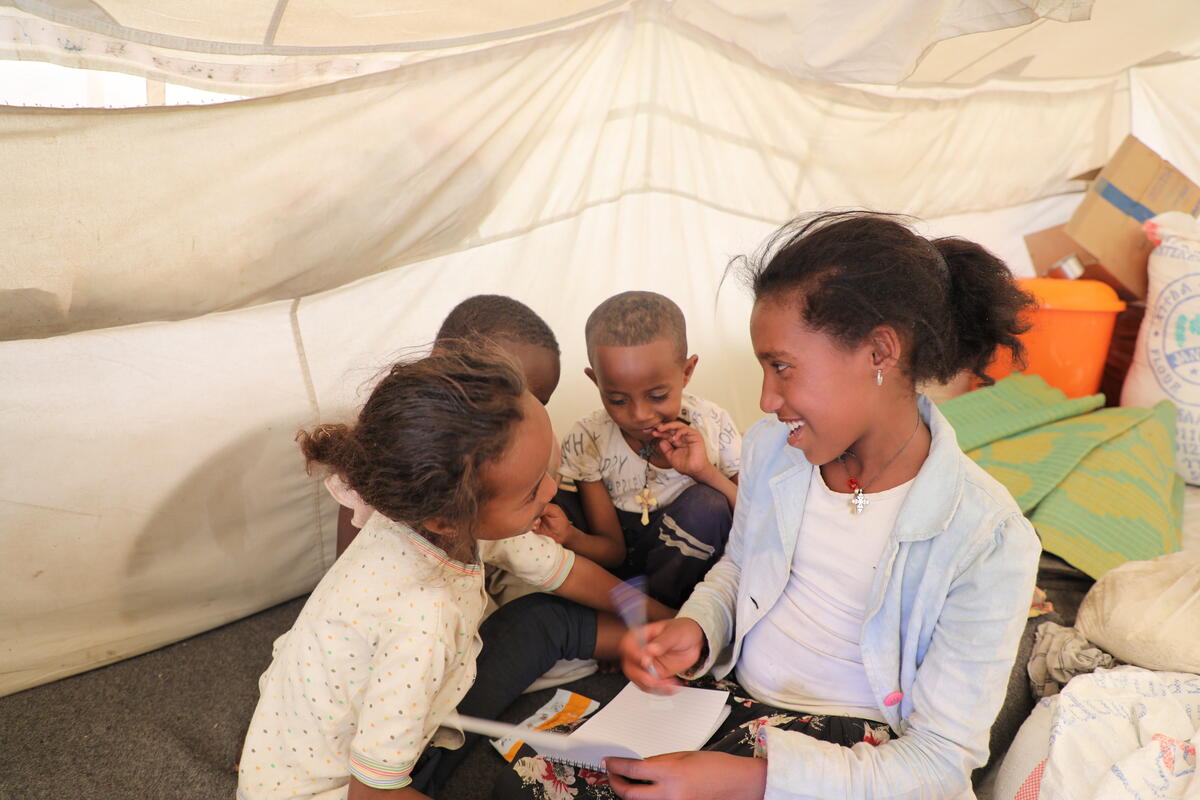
<point x="876" y="580"/>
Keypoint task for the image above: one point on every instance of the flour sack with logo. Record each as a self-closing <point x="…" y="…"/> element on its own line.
<point x="1166" y="363"/>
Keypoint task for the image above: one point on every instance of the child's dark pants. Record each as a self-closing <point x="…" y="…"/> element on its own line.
<point x="521" y="640"/>
<point x="676" y="547"/>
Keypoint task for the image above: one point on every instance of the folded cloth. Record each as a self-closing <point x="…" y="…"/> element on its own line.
<point x="1060" y="654"/>
<point x="1100" y="488"/>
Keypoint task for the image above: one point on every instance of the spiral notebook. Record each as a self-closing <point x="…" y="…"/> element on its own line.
<point x="635" y="724"/>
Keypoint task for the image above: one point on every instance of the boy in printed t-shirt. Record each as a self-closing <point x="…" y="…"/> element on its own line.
<point x="656" y="468"/>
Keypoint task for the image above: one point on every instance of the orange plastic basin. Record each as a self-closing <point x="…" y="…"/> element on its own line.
<point x="1070" y="334"/>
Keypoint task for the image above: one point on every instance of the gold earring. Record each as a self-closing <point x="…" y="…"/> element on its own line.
<point x="879" y="377"/>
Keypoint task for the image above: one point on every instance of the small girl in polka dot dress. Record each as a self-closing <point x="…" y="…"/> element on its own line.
<point x="450" y="451"/>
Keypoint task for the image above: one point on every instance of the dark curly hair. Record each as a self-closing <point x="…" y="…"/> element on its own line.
<point x="429" y="426"/>
<point x="952" y="302"/>
<point x="498" y="317"/>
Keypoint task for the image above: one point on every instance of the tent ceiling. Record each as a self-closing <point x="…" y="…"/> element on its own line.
<point x="347" y="23"/>
<point x="327" y="185"/>
<point x="1119" y="35"/>
<point x="307" y="27"/>
<point x="269" y="46"/>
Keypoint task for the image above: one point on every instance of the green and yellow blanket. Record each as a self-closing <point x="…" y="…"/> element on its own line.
<point x="1099" y="485"/>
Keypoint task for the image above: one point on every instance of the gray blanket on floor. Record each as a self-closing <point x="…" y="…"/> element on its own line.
<point x="169" y="724"/>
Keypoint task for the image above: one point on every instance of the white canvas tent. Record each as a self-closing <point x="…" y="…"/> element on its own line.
<point x="184" y="287"/>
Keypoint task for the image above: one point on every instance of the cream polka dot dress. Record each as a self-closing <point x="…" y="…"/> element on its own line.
<point x="384" y="648"/>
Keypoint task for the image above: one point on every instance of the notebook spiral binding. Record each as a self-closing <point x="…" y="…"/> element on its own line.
<point x="573" y="763"/>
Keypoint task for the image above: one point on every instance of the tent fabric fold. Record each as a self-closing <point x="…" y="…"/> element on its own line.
<point x="275" y="45"/>
<point x="325" y="185"/>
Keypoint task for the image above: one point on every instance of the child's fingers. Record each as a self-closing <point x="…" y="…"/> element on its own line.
<point x="638" y="657"/>
<point x="649" y="681"/>
<point x="668" y="428"/>
<point x="652" y="630"/>
<point x="633" y="780"/>
<point x="551" y="515"/>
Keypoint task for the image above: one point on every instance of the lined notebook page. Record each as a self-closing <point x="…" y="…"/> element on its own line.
<point x="570" y="749"/>
<point x="653" y="724"/>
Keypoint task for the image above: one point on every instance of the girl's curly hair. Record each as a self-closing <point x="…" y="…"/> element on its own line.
<point x="429" y="426"/>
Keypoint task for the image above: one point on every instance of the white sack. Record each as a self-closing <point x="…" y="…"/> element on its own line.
<point x="1147" y="613"/>
<point x="1125" y="733"/>
<point x="1166" y="359"/>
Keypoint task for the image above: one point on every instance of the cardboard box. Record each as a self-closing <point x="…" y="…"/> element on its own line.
<point x="1132" y="187"/>
<point x="1049" y="246"/>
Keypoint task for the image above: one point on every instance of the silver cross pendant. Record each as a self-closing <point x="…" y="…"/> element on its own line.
<point x="859" y="501"/>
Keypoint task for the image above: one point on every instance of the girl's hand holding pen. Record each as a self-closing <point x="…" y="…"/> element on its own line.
<point x="653" y="654"/>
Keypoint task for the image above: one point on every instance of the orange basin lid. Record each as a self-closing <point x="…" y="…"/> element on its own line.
<point x="1058" y="294"/>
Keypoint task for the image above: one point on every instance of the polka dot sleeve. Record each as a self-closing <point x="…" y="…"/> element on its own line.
<point x="398" y="714"/>
<point x="538" y="560"/>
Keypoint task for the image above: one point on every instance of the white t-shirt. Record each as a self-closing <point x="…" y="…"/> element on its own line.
<point x="805" y="654"/>
<point x="384" y="648"/>
<point x="595" y="450"/>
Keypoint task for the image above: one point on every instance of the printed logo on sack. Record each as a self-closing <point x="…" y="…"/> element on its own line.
<point x="1174" y="344"/>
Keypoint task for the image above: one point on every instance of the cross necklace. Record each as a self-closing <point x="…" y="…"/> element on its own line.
<point x="858" y="498"/>
<point x="644" y="498"/>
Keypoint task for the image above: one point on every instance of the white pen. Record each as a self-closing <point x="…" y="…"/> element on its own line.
<point x="629" y="598"/>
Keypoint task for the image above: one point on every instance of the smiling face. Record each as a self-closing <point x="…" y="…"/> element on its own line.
<point x="641" y="386"/>
<point x="824" y="392"/>
<point x="516" y="481"/>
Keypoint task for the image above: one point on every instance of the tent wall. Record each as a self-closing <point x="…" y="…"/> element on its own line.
<point x="325" y="185"/>
<point x="151" y="487"/>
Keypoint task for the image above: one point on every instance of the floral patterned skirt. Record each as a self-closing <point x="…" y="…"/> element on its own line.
<point x="532" y="778"/>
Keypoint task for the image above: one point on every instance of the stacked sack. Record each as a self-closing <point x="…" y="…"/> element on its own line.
<point x="1166" y="362"/>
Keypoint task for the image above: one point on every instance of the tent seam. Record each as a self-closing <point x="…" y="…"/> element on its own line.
<point x="310" y="390"/>
<point x="273" y="25"/>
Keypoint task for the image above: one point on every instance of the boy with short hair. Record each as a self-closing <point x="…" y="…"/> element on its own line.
<point x="656" y="467"/>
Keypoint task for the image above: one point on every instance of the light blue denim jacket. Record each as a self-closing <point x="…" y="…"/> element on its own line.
<point x="945" y="615"/>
